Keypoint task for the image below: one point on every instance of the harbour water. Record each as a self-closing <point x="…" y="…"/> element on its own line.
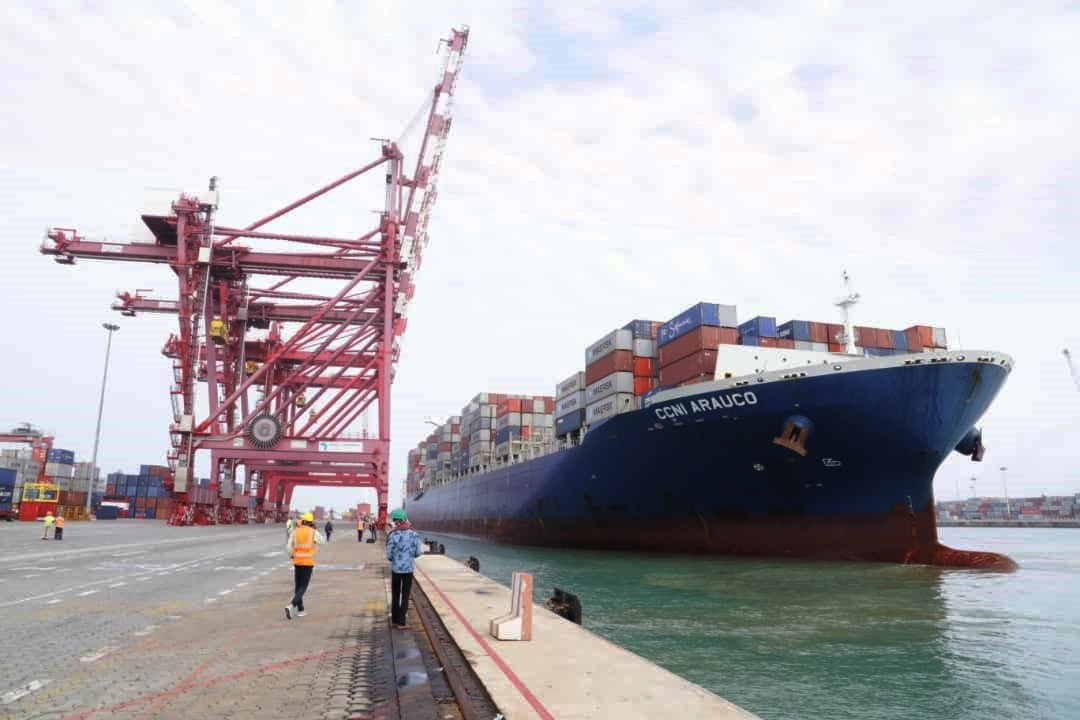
<point x="791" y="639"/>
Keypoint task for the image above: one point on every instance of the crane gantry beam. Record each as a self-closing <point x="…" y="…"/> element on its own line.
<point x="283" y="405"/>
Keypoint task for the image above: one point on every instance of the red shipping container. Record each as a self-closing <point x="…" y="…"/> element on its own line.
<point x="785" y="343"/>
<point x="836" y="347"/>
<point x="703" y="338"/>
<point x="919" y="337"/>
<point x="865" y="337"/>
<point x="549" y="405"/>
<point x="618" y="361"/>
<point x="642" y="385"/>
<point x="700" y="365"/>
<point x="644" y="367"/>
<point x="835" y="332"/>
<point x="768" y="342"/>
<point x="819" y="332"/>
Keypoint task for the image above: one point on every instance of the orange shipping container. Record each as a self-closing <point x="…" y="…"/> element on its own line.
<point x="785" y="343"/>
<point x="836" y="347"/>
<point x="642" y="385"/>
<point x="835" y="332"/>
<point x="919" y="337"/>
<point x="644" y="367"/>
<point x="819" y="332"/>
<point x="618" y="361"/>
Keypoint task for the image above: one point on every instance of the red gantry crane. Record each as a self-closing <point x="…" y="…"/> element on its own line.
<point x="288" y="369"/>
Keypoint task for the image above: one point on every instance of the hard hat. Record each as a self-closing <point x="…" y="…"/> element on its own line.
<point x="48" y="513"/>
<point x="307" y="517"/>
<point x="398" y="514"/>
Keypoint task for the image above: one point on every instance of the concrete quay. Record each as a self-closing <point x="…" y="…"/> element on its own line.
<point x="135" y="619"/>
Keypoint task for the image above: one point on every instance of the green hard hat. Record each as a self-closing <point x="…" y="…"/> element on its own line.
<point x="398" y="514"/>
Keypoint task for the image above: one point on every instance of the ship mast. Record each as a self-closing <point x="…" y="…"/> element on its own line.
<point x="846" y="303"/>
<point x="1072" y="367"/>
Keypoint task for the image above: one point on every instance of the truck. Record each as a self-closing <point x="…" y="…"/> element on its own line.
<point x="8" y="510"/>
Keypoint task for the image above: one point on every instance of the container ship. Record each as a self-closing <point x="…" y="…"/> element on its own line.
<point x="705" y="435"/>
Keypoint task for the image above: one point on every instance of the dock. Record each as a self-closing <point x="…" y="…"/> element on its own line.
<point x="129" y="619"/>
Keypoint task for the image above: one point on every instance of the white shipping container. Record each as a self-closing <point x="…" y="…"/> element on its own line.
<point x="939" y="337"/>
<point x="574" y="383"/>
<point x="803" y="345"/>
<point x="59" y="470"/>
<point x="609" y="407"/>
<point x="618" y="382"/>
<point x="645" y="347"/>
<point x="614" y="340"/>
<point x="502" y="449"/>
<point x="816" y="347"/>
<point x="508" y="420"/>
<point x="572" y="403"/>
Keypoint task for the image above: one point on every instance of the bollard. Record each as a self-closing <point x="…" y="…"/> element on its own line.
<point x="473" y="564"/>
<point x="565" y="605"/>
<point x="517" y="624"/>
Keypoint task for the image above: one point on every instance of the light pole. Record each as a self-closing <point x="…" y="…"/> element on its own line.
<point x="110" y="328"/>
<point x="1005" y="487"/>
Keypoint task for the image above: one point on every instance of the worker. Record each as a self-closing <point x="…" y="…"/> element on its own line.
<point x="374" y="529"/>
<point x="58" y="531"/>
<point x="301" y="548"/>
<point x="402" y="549"/>
<point x="288" y="527"/>
<point x="328" y="529"/>
<point x="360" y="529"/>
<point x="48" y="525"/>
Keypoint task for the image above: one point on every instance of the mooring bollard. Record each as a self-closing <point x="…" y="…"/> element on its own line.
<point x="517" y="624"/>
<point x="565" y="605"/>
<point x="473" y="564"/>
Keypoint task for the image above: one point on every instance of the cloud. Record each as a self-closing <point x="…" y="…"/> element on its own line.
<point x="605" y="163"/>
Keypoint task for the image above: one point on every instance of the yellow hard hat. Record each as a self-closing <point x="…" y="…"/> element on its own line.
<point x="307" y="517"/>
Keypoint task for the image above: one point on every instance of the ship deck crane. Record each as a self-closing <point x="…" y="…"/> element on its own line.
<point x="282" y="406"/>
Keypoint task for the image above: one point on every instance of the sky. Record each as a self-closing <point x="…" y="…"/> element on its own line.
<point x="608" y="161"/>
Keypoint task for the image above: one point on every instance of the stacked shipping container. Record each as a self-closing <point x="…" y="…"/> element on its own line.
<point x="620" y="368"/>
<point x="688" y="342"/>
<point x="145" y="493"/>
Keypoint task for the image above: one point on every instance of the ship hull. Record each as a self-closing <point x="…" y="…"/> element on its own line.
<point x="704" y="473"/>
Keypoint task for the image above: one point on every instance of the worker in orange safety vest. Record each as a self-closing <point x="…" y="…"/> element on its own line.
<point x="360" y="530"/>
<point x="58" y="530"/>
<point x="301" y="548"/>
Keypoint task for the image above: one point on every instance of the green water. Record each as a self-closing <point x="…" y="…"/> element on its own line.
<point x="788" y="639"/>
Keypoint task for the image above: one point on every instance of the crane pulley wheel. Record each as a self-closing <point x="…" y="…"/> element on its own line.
<point x="264" y="430"/>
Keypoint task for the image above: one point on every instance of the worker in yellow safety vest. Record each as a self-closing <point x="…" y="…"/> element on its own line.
<point x="48" y="525"/>
<point x="58" y="531"/>
<point x="360" y="530"/>
<point x="301" y="548"/>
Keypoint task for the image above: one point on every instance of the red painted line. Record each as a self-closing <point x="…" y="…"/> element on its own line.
<point x="538" y="706"/>
<point x="186" y="686"/>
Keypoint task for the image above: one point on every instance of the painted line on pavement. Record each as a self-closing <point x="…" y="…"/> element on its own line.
<point x="110" y="549"/>
<point x="119" y="584"/>
<point x="97" y="656"/>
<point x="54" y="601"/>
<point x="20" y="692"/>
<point x="146" y="630"/>
<point x="224" y="592"/>
<point x="210" y="600"/>
<point x="88" y="592"/>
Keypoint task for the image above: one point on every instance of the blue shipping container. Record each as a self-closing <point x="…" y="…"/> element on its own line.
<point x="899" y="339"/>
<point x="107" y="512"/>
<point x="761" y="326"/>
<point x="7" y="489"/>
<point x="507" y="433"/>
<point x="640" y="328"/>
<point x="795" y="330"/>
<point x="691" y="319"/>
<point x="60" y="457"/>
<point x="569" y="423"/>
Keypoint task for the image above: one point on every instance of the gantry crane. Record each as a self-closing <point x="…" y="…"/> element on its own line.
<point x="1072" y="367"/>
<point x="281" y="403"/>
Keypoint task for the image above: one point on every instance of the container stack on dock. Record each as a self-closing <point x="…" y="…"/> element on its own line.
<point x="25" y="464"/>
<point x="688" y="343"/>
<point x="144" y="494"/>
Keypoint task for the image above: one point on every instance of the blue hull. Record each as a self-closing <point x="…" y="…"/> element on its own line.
<point x="703" y="473"/>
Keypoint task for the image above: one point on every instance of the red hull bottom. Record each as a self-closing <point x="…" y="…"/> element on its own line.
<point x="898" y="537"/>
